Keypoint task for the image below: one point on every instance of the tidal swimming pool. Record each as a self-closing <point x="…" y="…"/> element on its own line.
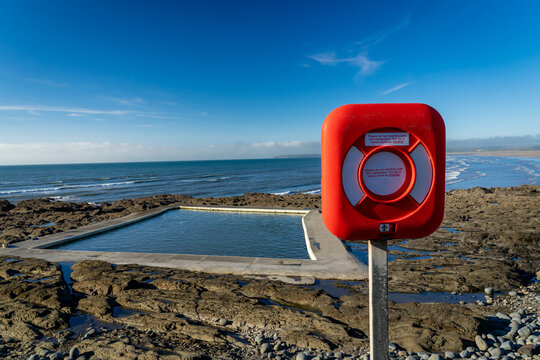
<point x="204" y="233"/>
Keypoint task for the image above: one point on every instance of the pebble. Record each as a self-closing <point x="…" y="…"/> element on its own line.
<point x="495" y="352"/>
<point x="512" y="293"/>
<point x="480" y="343"/>
<point x="301" y="356"/>
<point x="34" y="357"/>
<point x="500" y="315"/>
<point x="450" y="354"/>
<point x="488" y="290"/>
<point x="265" y="348"/>
<point x="529" y="349"/>
<point x="259" y="339"/>
<point x="411" y="357"/>
<point x="74" y="353"/>
<point x="464" y="354"/>
<point x="223" y="322"/>
<point x="435" y="357"/>
<point x="524" y="331"/>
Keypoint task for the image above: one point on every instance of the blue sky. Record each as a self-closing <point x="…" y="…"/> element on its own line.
<point x="86" y="81"/>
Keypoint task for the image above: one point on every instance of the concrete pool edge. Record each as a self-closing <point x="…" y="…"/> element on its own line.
<point x="329" y="256"/>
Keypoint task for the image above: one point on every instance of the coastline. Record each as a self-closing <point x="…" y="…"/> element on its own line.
<point x="489" y="238"/>
<point x="505" y="153"/>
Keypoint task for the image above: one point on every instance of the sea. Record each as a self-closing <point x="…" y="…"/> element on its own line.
<point x="97" y="183"/>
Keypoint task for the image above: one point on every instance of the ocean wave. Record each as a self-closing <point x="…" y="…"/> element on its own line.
<point x="312" y="192"/>
<point x="65" y="187"/>
<point x="282" y="193"/>
<point x="452" y="175"/>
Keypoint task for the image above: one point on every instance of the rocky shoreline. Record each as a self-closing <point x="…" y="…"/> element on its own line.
<point x="489" y="239"/>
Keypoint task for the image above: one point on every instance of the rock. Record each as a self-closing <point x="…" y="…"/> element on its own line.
<point x="464" y="354"/>
<point x="525" y="331"/>
<point x="223" y="322"/>
<point x="480" y="343"/>
<point x="450" y="354"/>
<point x="507" y="345"/>
<point x="34" y="357"/>
<point x="529" y="350"/>
<point x="265" y="348"/>
<point x="74" y="353"/>
<point x="500" y="315"/>
<point x="495" y="352"/>
<point x="338" y="355"/>
<point x="411" y="357"/>
<point x="259" y="339"/>
<point x="488" y="291"/>
<point x="301" y="356"/>
<point x="435" y="357"/>
<point x="392" y="346"/>
<point x="512" y="293"/>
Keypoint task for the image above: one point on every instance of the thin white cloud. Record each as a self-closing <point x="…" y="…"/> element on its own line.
<point x="378" y="37"/>
<point x="88" y="152"/>
<point x="361" y="60"/>
<point x="47" y="82"/>
<point x="365" y="65"/>
<point x="130" y="102"/>
<point x="30" y="108"/>
<point x="395" y="88"/>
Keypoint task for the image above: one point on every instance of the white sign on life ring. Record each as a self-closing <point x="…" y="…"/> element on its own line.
<point x="384" y="173"/>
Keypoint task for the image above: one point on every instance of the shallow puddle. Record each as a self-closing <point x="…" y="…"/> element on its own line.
<point x="452" y="230"/>
<point x="80" y="323"/>
<point x="435" y="297"/>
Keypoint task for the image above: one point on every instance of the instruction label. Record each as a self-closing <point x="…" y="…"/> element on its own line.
<point x="384" y="173"/>
<point x="387" y="139"/>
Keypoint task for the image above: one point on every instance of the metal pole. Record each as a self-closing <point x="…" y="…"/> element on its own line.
<point x="378" y="299"/>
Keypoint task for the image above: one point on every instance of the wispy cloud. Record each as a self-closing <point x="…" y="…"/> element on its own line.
<point x="34" y="108"/>
<point x="361" y="60"/>
<point x="88" y="152"/>
<point x="395" y="88"/>
<point x="378" y="37"/>
<point x="47" y="82"/>
<point x="130" y="102"/>
<point x="365" y="65"/>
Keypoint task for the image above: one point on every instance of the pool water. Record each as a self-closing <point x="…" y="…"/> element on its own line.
<point x="204" y="233"/>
